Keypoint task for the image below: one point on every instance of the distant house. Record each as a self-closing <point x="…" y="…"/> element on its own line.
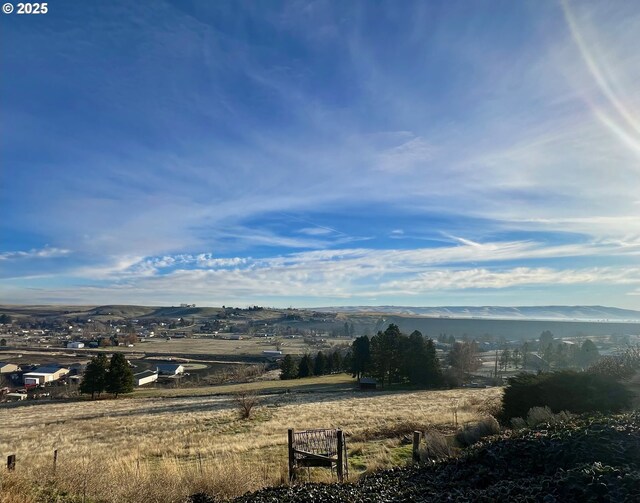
<point x="16" y="397"/>
<point x="535" y="362"/>
<point x="272" y="355"/>
<point x="235" y="337"/>
<point x="43" y="375"/>
<point x="169" y="369"/>
<point x="146" y="377"/>
<point x="367" y="383"/>
<point x="75" y="345"/>
<point x="7" y="368"/>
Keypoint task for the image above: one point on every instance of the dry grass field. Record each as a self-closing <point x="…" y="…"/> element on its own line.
<point x="249" y="346"/>
<point x="197" y="346"/>
<point x="161" y="449"/>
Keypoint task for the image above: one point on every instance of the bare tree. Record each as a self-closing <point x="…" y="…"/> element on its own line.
<point x="245" y="402"/>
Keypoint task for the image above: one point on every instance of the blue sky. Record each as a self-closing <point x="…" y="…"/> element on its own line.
<point x="321" y="153"/>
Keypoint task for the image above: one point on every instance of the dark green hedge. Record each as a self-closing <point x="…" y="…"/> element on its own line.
<point x="576" y="392"/>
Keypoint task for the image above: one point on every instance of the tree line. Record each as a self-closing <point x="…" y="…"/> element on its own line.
<point x="393" y="357"/>
<point x="102" y="375"/>
<point x="306" y="366"/>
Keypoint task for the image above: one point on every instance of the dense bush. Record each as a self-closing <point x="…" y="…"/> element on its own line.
<point x="563" y="391"/>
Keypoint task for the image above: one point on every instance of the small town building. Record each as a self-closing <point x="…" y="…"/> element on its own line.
<point x="367" y="383"/>
<point x="170" y="369"/>
<point x="146" y="377"/>
<point x="75" y="345"/>
<point x="16" y="397"/>
<point x="272" y="355"/>
<point x="43" y="375"/>
<point x="7" y="368"/>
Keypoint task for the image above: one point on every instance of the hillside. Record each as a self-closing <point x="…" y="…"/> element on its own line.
<point x="569" y="313"/>
<point x="586" y="460"/>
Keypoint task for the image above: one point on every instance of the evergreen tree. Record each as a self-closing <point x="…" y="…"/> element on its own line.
<point x="3" y="342"/>
<point x="505" y="358"/>
<point x="526" y="349"/>
<point x="288" y="368"/>
<point x="419" y="362"/>
<point x="95" y="376"/>
<point x="386" y="354"/>
<point x="516" y="356"/>
<point x="120" y="375"/>
<point x="433" y="374"/>
<point x="360" y="356"/>
<point x="320" y="364"/>
<point x="336" y="361"/>
<point x="305" y="367"/>
<point x="588" y="353"/>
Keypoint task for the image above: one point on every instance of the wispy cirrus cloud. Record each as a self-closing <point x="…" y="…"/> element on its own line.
<point x="46" y="252"/>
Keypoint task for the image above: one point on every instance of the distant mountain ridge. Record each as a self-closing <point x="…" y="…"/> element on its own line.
<point x="568" y="313"/>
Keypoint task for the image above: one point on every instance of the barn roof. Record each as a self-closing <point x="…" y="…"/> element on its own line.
<point x="168" y="367"/>
<point x="145" y="373"/>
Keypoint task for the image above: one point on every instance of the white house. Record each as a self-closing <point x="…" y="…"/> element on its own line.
<point x="170" y="369"/>
<point x="146" y="377"/>
<point x="75" y="345"/>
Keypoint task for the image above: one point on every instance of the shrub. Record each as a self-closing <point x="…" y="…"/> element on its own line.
<point x="571" y="391"/>
<point x="472" y="434"/>
<point x="540" y="415"/>
<point x="544" y="415"/>
<point x="622" y="366"/>
<point x="245" y="402"/>
<point x="435" y="447"/>
<point x="517" y="423"/>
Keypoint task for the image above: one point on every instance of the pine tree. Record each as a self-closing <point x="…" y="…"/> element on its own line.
<point x="95" y="376"/>
<point x="588" y="354"/>
<point x="360" y="356"/>
<point x="419" y="363"/>
<point x="120" y="375"/>
<point x="305" y="367"/>
<point x="336" y="361"/>
<point x="386" y="354"/>
<point x="288" y="368"/>
<point x="320" y="364"/>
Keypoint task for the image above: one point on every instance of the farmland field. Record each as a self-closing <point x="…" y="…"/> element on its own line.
<point x="163" y="448"/>
<point x="251" y="346"/>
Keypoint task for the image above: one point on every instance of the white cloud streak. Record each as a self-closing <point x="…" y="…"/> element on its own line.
<point x="34" y="253"/>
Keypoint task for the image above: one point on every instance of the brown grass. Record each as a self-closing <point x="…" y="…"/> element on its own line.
<point x="163" y="449"/>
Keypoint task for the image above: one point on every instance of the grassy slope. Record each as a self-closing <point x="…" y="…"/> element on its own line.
<point x="163" y="448"/>
<point x="330" y="383"/>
